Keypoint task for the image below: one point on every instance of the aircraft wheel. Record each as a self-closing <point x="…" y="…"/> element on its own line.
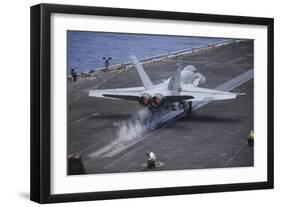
<point x="188" y="109"/>
<point x="190" y="106"/>
<point x="182" y="106"/>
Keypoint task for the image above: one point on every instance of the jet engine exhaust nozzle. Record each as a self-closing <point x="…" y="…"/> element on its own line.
<point x="145" y="100"/>
<point x="157" y="100"/>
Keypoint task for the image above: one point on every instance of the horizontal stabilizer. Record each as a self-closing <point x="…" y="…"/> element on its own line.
<point x="131" y="94"/>
<point x="178" y="98"/>
<point x="204" y="94"/>
<point x="123" y="97"/>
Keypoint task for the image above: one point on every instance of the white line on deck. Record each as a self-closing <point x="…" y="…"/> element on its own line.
<point x="78" y="97"/>
<point x="83" y="119"/>
<point x="105" y="80"/>
<point x="96" y="86"/>
<point x="235" y="154"/>
<point x="128" y="167"/>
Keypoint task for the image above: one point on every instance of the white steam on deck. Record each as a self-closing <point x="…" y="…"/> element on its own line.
<point x="133" y="128"/>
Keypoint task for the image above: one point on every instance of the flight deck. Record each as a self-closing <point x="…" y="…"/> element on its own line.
<point x="112" y="136"/>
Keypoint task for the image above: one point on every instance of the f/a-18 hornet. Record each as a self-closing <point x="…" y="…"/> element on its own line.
<point x="176" y="93"/>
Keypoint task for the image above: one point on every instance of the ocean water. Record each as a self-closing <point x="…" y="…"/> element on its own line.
<point x="85" y="50"/>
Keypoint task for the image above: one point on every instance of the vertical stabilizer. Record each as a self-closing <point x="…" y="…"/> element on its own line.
<point x="143" y="76"/>
<point x="175" y="80"/>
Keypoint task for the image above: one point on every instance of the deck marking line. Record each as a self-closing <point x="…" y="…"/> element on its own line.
<point x="235" y="154"/>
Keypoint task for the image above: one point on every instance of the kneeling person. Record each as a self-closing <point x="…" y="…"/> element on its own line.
<point x="151" y="159"/>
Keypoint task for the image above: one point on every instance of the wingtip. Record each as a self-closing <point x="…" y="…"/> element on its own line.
<point x="93" y="93"/>
<point x="241" y="94"/>
<point x="90" y="93"/>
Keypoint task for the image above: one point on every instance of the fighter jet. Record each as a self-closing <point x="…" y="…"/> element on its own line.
<point x="176" y="93"/>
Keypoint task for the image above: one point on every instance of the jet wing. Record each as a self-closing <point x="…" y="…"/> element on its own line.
<point x="131" y="94"/>
<point x="204" y="94"/>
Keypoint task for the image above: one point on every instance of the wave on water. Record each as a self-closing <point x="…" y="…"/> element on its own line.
<point x="86" y="50"/>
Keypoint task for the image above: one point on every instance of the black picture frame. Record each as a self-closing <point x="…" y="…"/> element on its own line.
<point x="41" y="95"/>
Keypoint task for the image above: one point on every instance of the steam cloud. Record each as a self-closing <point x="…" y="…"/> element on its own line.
<point x="134" y="128"/>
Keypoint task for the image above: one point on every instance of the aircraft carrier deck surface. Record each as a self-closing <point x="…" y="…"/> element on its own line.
<point x="108" y="136"/>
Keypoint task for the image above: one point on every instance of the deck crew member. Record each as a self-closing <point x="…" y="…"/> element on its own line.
<point x="73" y="75"/>
<point x="251" y="137"/>
<point x="106" y="62"/>
<point x="151" y="159"/>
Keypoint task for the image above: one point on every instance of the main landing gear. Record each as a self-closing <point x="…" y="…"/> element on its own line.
<point x="188" y="109"/>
